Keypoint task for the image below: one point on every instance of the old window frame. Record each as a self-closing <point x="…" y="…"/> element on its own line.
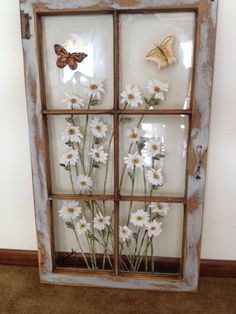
<point x="202" y="79"/>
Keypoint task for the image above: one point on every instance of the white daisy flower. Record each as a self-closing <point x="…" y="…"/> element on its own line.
<point x="125" y="233"/>
<point x="155" y="177"/>
<point x="73" y="101"/>
<point x="153" y="147"/>
<point x="131" y="96"/>
<point x="134" y="135"/>
<point x="98" y="128"/>
<point x="70" y="210"/>
<point x="70" y="158"/>
<point x="82" y="226"/>
<point x="134" y="160"/>
<point x="154" y="228"/>
<point x="160" y="208"/>
<point x="83" y="183"/>
<point x="95" y="88"/>
<point x="98" y="154"/>
<point x="157" y="88"/>
<point x="100" y="222"/>
<point x="139" y="218"/>
<point x="72" y="134"/>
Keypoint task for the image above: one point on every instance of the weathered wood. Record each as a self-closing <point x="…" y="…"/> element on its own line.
<point x="111" y="111"/>
<point x="206" y="12"/>
<point x="116" y="60"/>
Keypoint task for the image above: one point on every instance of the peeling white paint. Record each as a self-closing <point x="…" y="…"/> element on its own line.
<point x="199" y="136"/>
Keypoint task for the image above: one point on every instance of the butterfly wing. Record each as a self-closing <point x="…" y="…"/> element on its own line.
<point x="167" y="48"/>
<point x="156" y="56"/>
<point x="62" y="60"/>
<point x="78" y="56"/>
<point x="72" y="63"/>
<point x="74" y="58"/>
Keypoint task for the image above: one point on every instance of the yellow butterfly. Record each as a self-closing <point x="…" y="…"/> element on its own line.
<point x="163" y="54"/>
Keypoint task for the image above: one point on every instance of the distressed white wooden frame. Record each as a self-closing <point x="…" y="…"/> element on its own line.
<point x="206" y="13"/>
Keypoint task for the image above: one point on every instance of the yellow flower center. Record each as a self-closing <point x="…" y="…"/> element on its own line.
<point x="93" y="86"/>
<point x="73" y="100"/>
<point x="159" y="206"/>
<point x="82" y="183"/>
<point x="157" y="89"/>
<point x="101" y="220"/>
<point x="97" y="154"/>
<point x="71" y="131"/>
<point x="69" y="156"/>
<point x="70" y="210"/>
<point x="135" y="161"/>
<point x="82" y="225"/>
<point x="134" y="135"/>
<point x="156" y="176"/>
<point x="153" y="228"/>
<point x="139" y="218"/>
<point x="98" y="128"/>
<point x="130" y="96"/>
<point x="154" y="147"/>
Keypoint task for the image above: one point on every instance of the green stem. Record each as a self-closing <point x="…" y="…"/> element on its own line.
<point x="106" y="173"/>
<point x="139" y="251"/>
<point x="152" y="257"/>
<point x="129" y="151"/>
<point x="86" y="126"/>
<point x="145" y="253"/>
<point x="81" y="158"/>
<point x="91" y="160"/>
<point x="93" y="244"/>
<point x="90" y="250"/>
<point x="132" y="193"/>
<point x="127" y="253"/>
<point x="71" y="180"/>
<point x="81" y="249"/>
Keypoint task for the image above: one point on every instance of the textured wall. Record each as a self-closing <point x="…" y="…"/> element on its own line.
<point x="16" y="199"/>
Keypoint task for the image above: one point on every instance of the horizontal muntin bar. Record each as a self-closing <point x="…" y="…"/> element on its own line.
<point x="81" y="197"/>
<point x="156" y="112"/>
<point x="159" y="199"/>
<point x="77" y="112"/>
<point x="121" y="112"/>
<point x="123" y="198"/>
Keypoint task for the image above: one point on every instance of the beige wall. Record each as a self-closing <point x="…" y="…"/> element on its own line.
<point x="17" y="228"/>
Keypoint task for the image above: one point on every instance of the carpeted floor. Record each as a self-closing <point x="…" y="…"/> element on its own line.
<point x="21" y="292"/>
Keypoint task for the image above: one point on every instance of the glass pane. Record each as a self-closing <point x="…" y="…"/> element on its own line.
<point x="84" y="234"/>
<point x="150" y="235"/>
<point x="81" y="154"/>
<point x="150" y="41"/>
<point x="91" y="35"/>
<point x="153" y="152"/>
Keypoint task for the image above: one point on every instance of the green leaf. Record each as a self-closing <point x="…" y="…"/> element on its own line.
<point x="69" y="120"/>
<point x="131" y="176"/>
<point x="70" y="225"/>
<point x="141" y="145"/>
<point x="94" y="102"/>
<point x="66" y="167"/>
<point x="146" y="100"/>
<point x="157" y="157"/>
<point x="96" y="165"/>
<point x="125" y="120"/>
<point x="98" y="140"/>
<point x="69" y="144"/>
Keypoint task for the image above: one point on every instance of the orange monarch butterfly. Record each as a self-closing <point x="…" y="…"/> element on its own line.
<point x="163" y="54"/>
<point x="65" y="58"/>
